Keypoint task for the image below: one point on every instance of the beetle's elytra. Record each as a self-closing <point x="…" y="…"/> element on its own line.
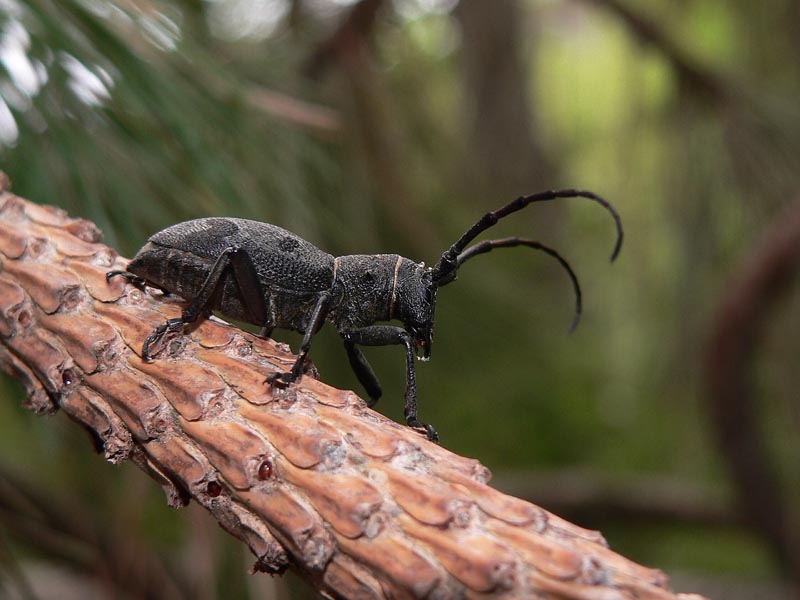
<point x="262" y="274"/>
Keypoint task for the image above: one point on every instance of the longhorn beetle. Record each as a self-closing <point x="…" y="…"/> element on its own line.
<point x="261" y="274"/>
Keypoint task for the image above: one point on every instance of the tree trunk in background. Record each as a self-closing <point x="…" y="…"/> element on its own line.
<point x="504" y="153"/>
<point x="369" y="114"/>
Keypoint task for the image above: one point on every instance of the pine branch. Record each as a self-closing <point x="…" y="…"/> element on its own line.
<point x="308" y="477"/>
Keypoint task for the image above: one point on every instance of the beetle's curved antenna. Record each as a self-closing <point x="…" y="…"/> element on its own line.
<point x="510" y="242"/>
<point x="445" y="270"/>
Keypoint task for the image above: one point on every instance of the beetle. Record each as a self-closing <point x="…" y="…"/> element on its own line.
<point x="265" y="275"/>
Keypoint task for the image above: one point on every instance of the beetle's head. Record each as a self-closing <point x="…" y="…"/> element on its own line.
<point x="415" y="304"/>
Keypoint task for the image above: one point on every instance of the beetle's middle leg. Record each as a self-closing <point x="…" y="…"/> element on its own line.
<point x="317" y="317"/>
<point x="236" y="261"/>
<point x="385" y="335"/>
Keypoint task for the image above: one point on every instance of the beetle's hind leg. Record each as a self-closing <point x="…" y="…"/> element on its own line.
<point x="139" y="282"/>
<point x="238" y="263"/>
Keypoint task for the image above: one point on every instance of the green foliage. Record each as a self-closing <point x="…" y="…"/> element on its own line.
<point x="170" y="131"/>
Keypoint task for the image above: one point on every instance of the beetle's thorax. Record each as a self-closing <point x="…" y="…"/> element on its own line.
<point x="362" y="287"/>
<point x="375" y="287"/>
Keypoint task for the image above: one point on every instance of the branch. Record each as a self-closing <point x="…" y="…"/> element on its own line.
<point x="318" y="119"/>
<point x="741" y="316"/>
<point x="68" y="534"/>
<point x="585" y="496"/>
<point x="308" y="477"/>
<point x="702" y="80"/>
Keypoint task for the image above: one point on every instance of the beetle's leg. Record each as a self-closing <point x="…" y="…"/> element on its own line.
<point x="385" y="335"/>
<point x="134" y="279"/>
<point x="269" y="321"/>
<point x="317" y="317"/>
<point x="255" y="301"/>
<point x="363" y="370"/>
<point x="139" y="282"/>
<point x="171" y="325"/>
<point x="246" y="279"/>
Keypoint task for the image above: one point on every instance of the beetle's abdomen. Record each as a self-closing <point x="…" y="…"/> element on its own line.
<point x="175" y="271"/>
<point x="179" y="257"/>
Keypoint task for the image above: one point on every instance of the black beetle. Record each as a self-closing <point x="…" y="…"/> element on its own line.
<point x="262" y="274"/>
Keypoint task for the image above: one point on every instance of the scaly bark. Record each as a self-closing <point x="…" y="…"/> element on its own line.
<point x="307" y="477"/>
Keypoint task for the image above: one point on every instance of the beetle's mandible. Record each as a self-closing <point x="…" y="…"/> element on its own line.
<point x="262" y="274"/>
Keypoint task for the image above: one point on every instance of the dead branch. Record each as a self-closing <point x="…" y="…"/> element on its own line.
<point x="314" y="117"/>
<point x="307" y="477"/>
<point x="737" y="328"/>
<point x="700" y="79"/>
<point x="587" y="496"/>
<point x="67" y="533"/>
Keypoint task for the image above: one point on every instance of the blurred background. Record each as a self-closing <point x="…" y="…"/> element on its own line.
<point x="669" y="419"/>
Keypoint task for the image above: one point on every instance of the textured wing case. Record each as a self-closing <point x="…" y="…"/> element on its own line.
<point x="284" y="262"/>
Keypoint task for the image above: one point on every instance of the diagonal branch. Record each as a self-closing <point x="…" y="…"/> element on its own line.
<point x="702" y="80"/>
<point x="308" y="477"/>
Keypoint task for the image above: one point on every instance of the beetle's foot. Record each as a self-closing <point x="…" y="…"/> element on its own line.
<point x="281" y="379"/>
<point x="152" y="339"/>
<point x="158" y="335"/>
<point x="427" y="428"/>
<point x="134" y="279"/>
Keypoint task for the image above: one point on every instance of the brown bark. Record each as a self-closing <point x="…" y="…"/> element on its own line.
<point x="307" y="477"/>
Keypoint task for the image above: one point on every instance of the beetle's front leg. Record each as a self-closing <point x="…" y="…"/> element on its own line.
<point x="314" y="323"/>
<point x="159" y="332"/>
<point x="171" y="325"/>
<point x="385" y="335"/>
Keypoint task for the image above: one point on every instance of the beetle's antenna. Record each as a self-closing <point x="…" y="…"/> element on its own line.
<point x="510" y="242"/>
<point x="445" y="269"/>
